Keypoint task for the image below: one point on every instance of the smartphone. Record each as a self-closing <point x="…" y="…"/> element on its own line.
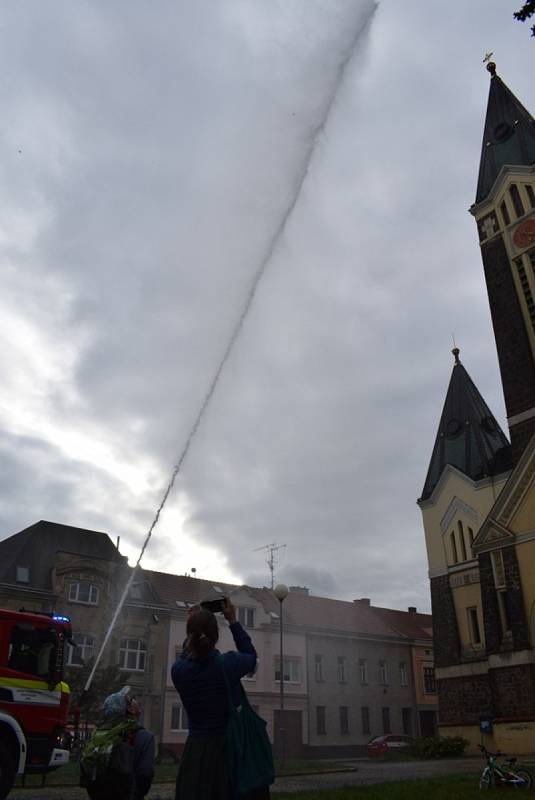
<point x="215" y="606"/>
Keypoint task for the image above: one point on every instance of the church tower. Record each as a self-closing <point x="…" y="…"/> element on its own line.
<point x="505" y="214"/>
<point x="478" y="500"/>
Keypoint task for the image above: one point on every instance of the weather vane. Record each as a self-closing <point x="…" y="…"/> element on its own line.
<point x="488" y="56"/>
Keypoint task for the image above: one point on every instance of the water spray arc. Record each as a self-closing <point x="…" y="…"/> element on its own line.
<point x="360" y="30"/>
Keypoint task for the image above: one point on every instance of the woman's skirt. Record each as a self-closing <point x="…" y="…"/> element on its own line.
<point x="203" y="773"/>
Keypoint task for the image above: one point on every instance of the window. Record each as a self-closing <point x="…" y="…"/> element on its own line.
<point x="406" y="716"/>
<point x="321" y="727"/>
<point x="430" y="686"/>
<point x="473" y="626"/>
<point x="516" y="200"/>
<point x="504" y="611"/>
<point x="505" y="214"/>
<point x="179" y="718"/>
<point x="363" y="670"/>
<point x="318" y="668"/>
<point x="83" y="592"/>
<point x="136" y="591"/>
<point x="461" y="539"/>
<point x="132" y="655"/>
<point x="342" y="669"/>
<point x="471" y="540"/>
<point x="344" y="720"/>
<point x="33" y="651"/>
<point x="77" y="656"/>
<point x="403" y="676"/>
<point x="531" y="194"/>
<point x="365" y="718"/>
<point x="454" y="555"/>
<point x="386" y="720"/>
<point x="246" y="616"/>
<point x="23" y="574"/>
<point x="498" y="569"/>
<point x="383" y="673"/>
<point x="291" y="670"/>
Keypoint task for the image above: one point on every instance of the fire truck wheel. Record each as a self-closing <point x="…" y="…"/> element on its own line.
<point x="7" y="771"/>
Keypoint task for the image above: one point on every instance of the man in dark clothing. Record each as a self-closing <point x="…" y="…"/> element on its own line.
<point x="123" y="706"/>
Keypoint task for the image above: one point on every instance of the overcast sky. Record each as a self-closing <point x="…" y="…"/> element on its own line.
<point x="149" y="154"/>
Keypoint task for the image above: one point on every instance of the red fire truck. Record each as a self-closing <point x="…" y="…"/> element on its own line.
<point x="34" y="700"/>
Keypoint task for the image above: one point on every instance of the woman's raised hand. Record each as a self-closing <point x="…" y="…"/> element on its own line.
<point x="229" y="612"/>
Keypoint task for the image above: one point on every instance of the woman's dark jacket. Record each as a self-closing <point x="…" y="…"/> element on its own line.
<point x="201" y="685"/>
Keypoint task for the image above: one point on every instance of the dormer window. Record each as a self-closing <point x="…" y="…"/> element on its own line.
<point x="83" y="592"/>
<point x="246" y="616"/>
<point x="23" y="574"/>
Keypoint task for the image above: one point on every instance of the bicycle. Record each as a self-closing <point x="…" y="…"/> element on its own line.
<point x="503" y="774"/>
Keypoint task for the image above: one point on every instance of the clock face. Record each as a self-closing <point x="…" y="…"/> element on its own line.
<point x="524" y="234"/>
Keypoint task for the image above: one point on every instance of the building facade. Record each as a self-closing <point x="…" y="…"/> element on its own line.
<point x="351" y="671"/>
<point x="478" y="501"/>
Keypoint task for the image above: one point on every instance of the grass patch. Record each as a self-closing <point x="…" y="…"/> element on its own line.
<point x="165" y="772"/>
<point x="462" y="787"/>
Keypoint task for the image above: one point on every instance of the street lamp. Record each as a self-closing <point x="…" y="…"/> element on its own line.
<point x="281" y="593"/>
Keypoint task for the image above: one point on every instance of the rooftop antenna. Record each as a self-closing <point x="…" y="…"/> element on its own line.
<point x="271" y="549"/>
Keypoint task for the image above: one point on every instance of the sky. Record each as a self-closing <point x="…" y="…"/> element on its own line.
<point x="157" y="159"/>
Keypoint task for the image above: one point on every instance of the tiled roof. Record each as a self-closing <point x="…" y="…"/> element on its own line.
<point x="408" y="623"/>
<point x="299" y="609"/>
<point x="37" y="546"/>
<point x="171" y="588"/>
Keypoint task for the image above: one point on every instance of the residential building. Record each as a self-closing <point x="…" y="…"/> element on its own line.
<point x="351" y="671"/>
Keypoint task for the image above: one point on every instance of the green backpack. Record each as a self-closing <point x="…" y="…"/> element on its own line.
<point x="107" y="763"/>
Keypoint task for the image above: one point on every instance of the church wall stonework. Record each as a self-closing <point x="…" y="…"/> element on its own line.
<point x="520" y="435"/>
<point x="514" y="352"/>
<point x="491" y="612"/>
<point x="463" y="700"/>
<point x="445" y="629"/>
<point x="517" y="613"/>
<point x="513" y="691"/>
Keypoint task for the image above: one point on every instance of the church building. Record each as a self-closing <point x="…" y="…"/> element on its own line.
<point x="478" y="500"/>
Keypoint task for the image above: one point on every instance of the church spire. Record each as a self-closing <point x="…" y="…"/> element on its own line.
<point x="509" y="135"/>
<point x="468" y="437"/>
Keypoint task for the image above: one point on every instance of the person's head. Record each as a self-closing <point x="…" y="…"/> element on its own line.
<point x="121" y="703"/>
<point x="202" y="632"/>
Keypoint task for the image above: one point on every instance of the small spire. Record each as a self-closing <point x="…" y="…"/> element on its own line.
<point x="456" y="352"/>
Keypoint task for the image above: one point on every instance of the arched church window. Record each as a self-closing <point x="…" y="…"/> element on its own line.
<point x="471" y="540"/>
<point x="454" y="548"/>
<point x="461" y="539"/>
<point x="516" y="200"/>
<point x="531" y="194"/>
<point x="505" y="214"/>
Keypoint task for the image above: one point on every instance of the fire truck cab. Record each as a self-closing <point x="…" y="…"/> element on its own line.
<point x="34" y="700"/>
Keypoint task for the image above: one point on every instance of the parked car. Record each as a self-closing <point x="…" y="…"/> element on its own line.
<point x="389" y="743"/>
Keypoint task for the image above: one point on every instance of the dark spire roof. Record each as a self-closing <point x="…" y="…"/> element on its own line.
<point x="509" y="135"/>
<point x="468" y="436"/>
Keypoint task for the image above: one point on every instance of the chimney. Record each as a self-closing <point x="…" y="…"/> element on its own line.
<point x="118" y="542"/>
<point x="299" y="590"/>
<point x="412" y="609"/>
<point x="364" y="601"/>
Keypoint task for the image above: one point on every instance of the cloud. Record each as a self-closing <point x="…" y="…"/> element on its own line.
<point x="157" y="155"/>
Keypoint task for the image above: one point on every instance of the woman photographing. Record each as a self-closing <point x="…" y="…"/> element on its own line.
<point x="207" y="683"/>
